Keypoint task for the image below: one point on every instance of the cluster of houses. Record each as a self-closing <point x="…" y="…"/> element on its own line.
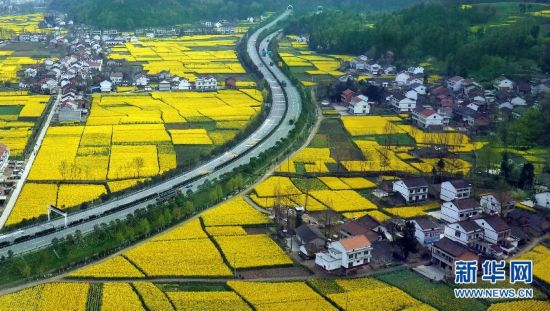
<point x="464" y="228"/>
<point x="463" y="101"/>
<point x="166" y="83"/>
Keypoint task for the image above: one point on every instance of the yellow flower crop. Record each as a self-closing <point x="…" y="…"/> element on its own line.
<point x="276" y="185"/>
<point x="280" y="296"/>
<point x="369" y="294"/>
<point x="115" y="267"/>
<point x="190" y="137"/>
<point x="33" y="202"/>
<point x="226" y="231"/>
<point x="523" y="305"/>
<point x="206" y="301"/>
<point x="190" y="230"/>
<point x="74" y="195"/>
<point x="334" y="183"/>
<point x="252" y="251"/>
<point x="343" y="201"/>
<point x="379" y="216"/>
<point x="191" y="258"/>
<point x="540" y="255"/>
<point x="370" y="125"/>
<point x="358" y="182"/>
<point x="152" y="296"/>
<point x="119" y="296"/>
<point x="234" y="212"/>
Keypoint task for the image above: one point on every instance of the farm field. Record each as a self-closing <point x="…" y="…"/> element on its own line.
<point x="309" y="67"/>
<point x="219" y="242"/>
<point x="126" y="140"/>
<point x="332" y="171"/>
<point x="187" y="57"/>
<point x="19" y="24"/>
<point x="319" y="294"/>
<point x="19" y="113"/>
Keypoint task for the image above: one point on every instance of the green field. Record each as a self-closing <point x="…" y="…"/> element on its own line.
<point x="10" y="110"/>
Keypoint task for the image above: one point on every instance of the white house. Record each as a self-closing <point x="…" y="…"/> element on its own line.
<point x="401" y="103"/>
<point x="141" y="80"/>
<point x="459" y="210"/>
<point x="466" y="232"/>
<point x="426" y="231"/>
<point x="402" y="78"/>
<point x="455" y="189"/>
<point x="359" y="105"/>
<point x="426" y="117"/>
<point x="455" y="83"/>
<point x="518" y="101"/>
<point x="106" y="86"/>
<point x="347" y="253"/>
<point x="412" y="189"/>
<point x="496" y="203"/>
<point x="496" y="231"/>
<point x="412" y="94"/>
<point x="165" y="86"/>
<point x="207" y="83"/>
<point x="420" y="89"/>
<point x="184" y="85"/>
<point x="116" y="77"/>
<point x="504" y="84"/>
<point x="543" y="199"/>
<point x="4" y="156"/>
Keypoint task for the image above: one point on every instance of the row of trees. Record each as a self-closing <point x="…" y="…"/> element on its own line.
<point x="459" y="38"/>
<point x="142" y="13"/>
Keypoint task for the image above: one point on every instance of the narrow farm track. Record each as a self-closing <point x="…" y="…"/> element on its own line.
<point x="286" y="106"/>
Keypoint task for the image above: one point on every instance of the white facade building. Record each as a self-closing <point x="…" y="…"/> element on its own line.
<point x="426" y="231"/>
<point x="460" y="210"/>
<point x="106" y="86"/>
<point x="359" y="105"/>
<point x="455" y="190"/>
<point x="206" y="84"/>
<point x="347" y="253"/>
<point x="412" y="190"/>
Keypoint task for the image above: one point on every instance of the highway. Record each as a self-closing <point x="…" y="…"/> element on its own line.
<point x="277" y="126"/>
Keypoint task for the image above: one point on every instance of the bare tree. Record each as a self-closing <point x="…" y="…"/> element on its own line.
<point x="139" y="163"/>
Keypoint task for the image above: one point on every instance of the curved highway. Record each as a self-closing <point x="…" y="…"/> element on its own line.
<point x="277" y="126"/>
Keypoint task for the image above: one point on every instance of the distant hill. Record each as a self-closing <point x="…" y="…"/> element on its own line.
<point x="128" y="14"/>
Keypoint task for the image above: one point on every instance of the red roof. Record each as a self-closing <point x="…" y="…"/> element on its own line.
<point x="427" y="112"/>
<point x="355" y="242"/>
<point x="348" y="92"/>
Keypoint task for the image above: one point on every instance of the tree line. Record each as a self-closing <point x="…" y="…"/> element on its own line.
<point x="127" y="15"/>
<point x="459" y="39"/>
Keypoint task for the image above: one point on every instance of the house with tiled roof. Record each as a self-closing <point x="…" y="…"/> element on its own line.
<point x="499" y="203"/>
<point x="412" y="189"/>
<point x="426" y="117"/>
<point x="455" y="189"/>
<point x="359" y="105"/>
<point x="459" y="210"/>
<point x="427" y="231"/>
<point x="446" y="252"/>
<point x="348" y="253"/>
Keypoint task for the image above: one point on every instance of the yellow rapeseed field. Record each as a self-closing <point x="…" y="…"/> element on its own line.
<point x="234" y="212"/>
<point x="119" y="296"/>
<point x="207" y="301"/>
<point x="280" y="295"/>
<point x="343" y="201"/>
<point x="115" y="267"/>
<point x="152" y="296"/>
<point x="540" y="255"/>
<point x="276" y="185"/>
<point x="252" y="251"/>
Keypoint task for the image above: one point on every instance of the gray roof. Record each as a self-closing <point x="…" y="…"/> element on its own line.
<point x="426" y="223"/>
<point x="460" y="183"/>
<point x="464" y="204"/>
<point x="415" y="182"/>
<point x="308" y="233"/>
<point x="469" y="225"/>
<point x="496" y="223"/>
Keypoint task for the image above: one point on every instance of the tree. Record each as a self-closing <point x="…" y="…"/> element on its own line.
<point x="526" y="177"/>
<point x="139" y="163"/>
<point x="407" y="243"/>
<point x="505" y="169"/>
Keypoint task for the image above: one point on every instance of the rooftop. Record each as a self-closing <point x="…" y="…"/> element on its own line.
<point x="355" y="242"/>
<point x="451" y="247"/>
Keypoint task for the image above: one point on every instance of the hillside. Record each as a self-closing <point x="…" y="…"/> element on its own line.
<point x="125" y="14"/>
